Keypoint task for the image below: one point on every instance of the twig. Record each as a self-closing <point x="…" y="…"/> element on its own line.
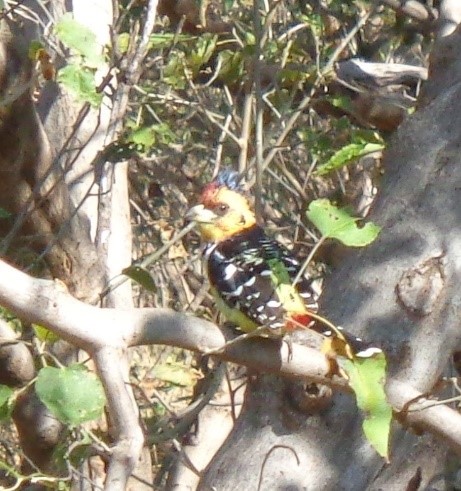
<point x="245" y="133"/>
<point x="306" y="101"/>
<point x="259" y="138"/>
<point x="266" y="458"/>
<point x="119" y="280"/>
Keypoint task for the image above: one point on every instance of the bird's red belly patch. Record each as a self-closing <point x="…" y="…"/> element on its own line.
<point x="297" y="321"/>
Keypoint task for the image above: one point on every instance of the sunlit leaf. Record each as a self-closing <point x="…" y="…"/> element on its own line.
<point x="160" y="40"/>
<point x="347" y="154"/>
<point x="367" y="377"/>
<point x="205" y="48"/>
<point x="80" y="83"/>
<point x="44" y="334"/>
<point x="335" y="223"/>
<point x="80" y="39"/>
<point x="73" y="394"/>
<point x="123" y="42"/>
<point x="144" y="136"/>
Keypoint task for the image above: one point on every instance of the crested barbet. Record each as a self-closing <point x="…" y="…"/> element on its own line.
<point x="254" y="279"/>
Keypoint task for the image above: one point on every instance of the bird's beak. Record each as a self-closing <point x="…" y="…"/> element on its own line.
<point x="200" y="214"/>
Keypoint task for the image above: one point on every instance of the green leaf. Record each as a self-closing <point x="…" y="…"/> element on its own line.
<point x="6" y="401"/>
<point x="35" y="47"/>
<point x="123" y="42"/>
<point x="141" y="276"/>
<point x="335" y="223"/>
<point x="144" y="136"/>
<point x="367" y="377"/>
<point x="80" y="39"/>
<point x="341" y="101"/>
<point x="347" y="154"/>
<point x="44" y="334"/>
<point x="203" y="51"/>
<point x="165" y="40"/>
<point x="231" y="66"/>
<point x="80" y="82"/>
<point x="228" y="4"/>
<point x="4" y="213"/>
<point x="148" y="135"/>
<point x="73" y="394"/>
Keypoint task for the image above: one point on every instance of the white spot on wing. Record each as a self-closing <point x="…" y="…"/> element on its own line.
<point x="266" y="272"/>
<point x="273" y="304"/>
<point x="367" y="353"/>
<point x="237" y="292"/>
<point x="229" y="271"/>
<point x="250" y="282"/>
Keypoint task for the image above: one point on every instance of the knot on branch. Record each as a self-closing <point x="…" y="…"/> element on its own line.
<point x="419" y="288"/>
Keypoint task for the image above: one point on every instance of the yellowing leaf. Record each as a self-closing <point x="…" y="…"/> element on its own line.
<point x="335" y="223"/>
<point x="367" y="377"/>
<point x="175" y="373"/>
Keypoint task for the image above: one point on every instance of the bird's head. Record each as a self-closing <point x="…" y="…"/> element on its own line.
<point x="223" y="209"/>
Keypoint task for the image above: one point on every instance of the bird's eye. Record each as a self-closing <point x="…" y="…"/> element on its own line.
<point x="222" y="208"/>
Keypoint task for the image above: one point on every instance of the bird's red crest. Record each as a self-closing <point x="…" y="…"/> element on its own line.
<point x="208" y="195"/>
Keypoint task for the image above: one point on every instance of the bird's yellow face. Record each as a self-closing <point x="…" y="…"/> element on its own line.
<point x="221" y="213"/>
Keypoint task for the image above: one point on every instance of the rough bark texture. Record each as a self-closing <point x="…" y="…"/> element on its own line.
<point x="32" y="186"/>
<point x="46" y="168"/>
<point x="403" y="292"/>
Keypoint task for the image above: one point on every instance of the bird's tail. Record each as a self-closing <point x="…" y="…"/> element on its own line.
<point x="341" y="342"/>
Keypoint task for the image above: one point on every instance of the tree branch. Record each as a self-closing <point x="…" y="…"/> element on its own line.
<point x="104" y="333"/>
<point x="123" y="416"/>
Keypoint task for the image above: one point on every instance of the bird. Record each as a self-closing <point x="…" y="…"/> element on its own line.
<point x="255" y="280"/>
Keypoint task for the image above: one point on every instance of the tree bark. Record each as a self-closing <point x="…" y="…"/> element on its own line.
<point x="48" y="151"/>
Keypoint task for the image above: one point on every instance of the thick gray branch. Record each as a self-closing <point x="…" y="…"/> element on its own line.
<point x="105" y="333"/>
